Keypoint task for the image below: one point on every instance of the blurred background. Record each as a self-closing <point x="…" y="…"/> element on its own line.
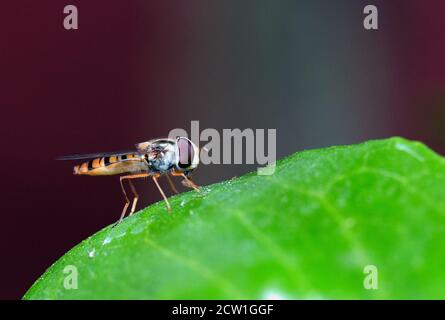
<point x="134" y="70"/>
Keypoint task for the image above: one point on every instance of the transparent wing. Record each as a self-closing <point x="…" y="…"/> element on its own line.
<point x="94" y="155"/>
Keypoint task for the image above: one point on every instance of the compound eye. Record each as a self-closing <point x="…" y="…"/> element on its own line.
<point x="186" y="153"/>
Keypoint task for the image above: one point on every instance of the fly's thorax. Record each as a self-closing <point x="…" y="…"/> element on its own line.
<point x="165" y="159"/>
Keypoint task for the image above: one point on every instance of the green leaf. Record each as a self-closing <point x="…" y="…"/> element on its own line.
<point x="307" y="231"/>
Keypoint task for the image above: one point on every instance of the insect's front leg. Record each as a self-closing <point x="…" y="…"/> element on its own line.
<point x="187" y="182"/>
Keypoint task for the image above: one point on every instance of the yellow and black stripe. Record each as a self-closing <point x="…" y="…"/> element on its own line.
<point x="109" y="165"/>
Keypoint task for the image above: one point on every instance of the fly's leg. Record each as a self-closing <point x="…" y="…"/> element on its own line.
<point x="136" y="196"/>
<point x="135" y="199"/>
<point x="127" y="201"/>
<point x="172" y="186"/>
<point x="187" y="182"/>
<point x="155" y="180"/>
<point x="133" y="189"/>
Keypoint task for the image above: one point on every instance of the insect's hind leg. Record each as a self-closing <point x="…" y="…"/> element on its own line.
<point x="133" y="189"/>
<point x="135" y="198"/>
<point x="127" y="201"/>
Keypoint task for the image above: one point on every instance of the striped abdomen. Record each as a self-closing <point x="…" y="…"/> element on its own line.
<point x="111" y="165"/>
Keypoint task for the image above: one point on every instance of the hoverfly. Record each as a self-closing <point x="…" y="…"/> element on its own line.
<point x="154" y="158"/>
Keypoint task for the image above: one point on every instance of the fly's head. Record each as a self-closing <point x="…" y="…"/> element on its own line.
<point x="187" y="155"/>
